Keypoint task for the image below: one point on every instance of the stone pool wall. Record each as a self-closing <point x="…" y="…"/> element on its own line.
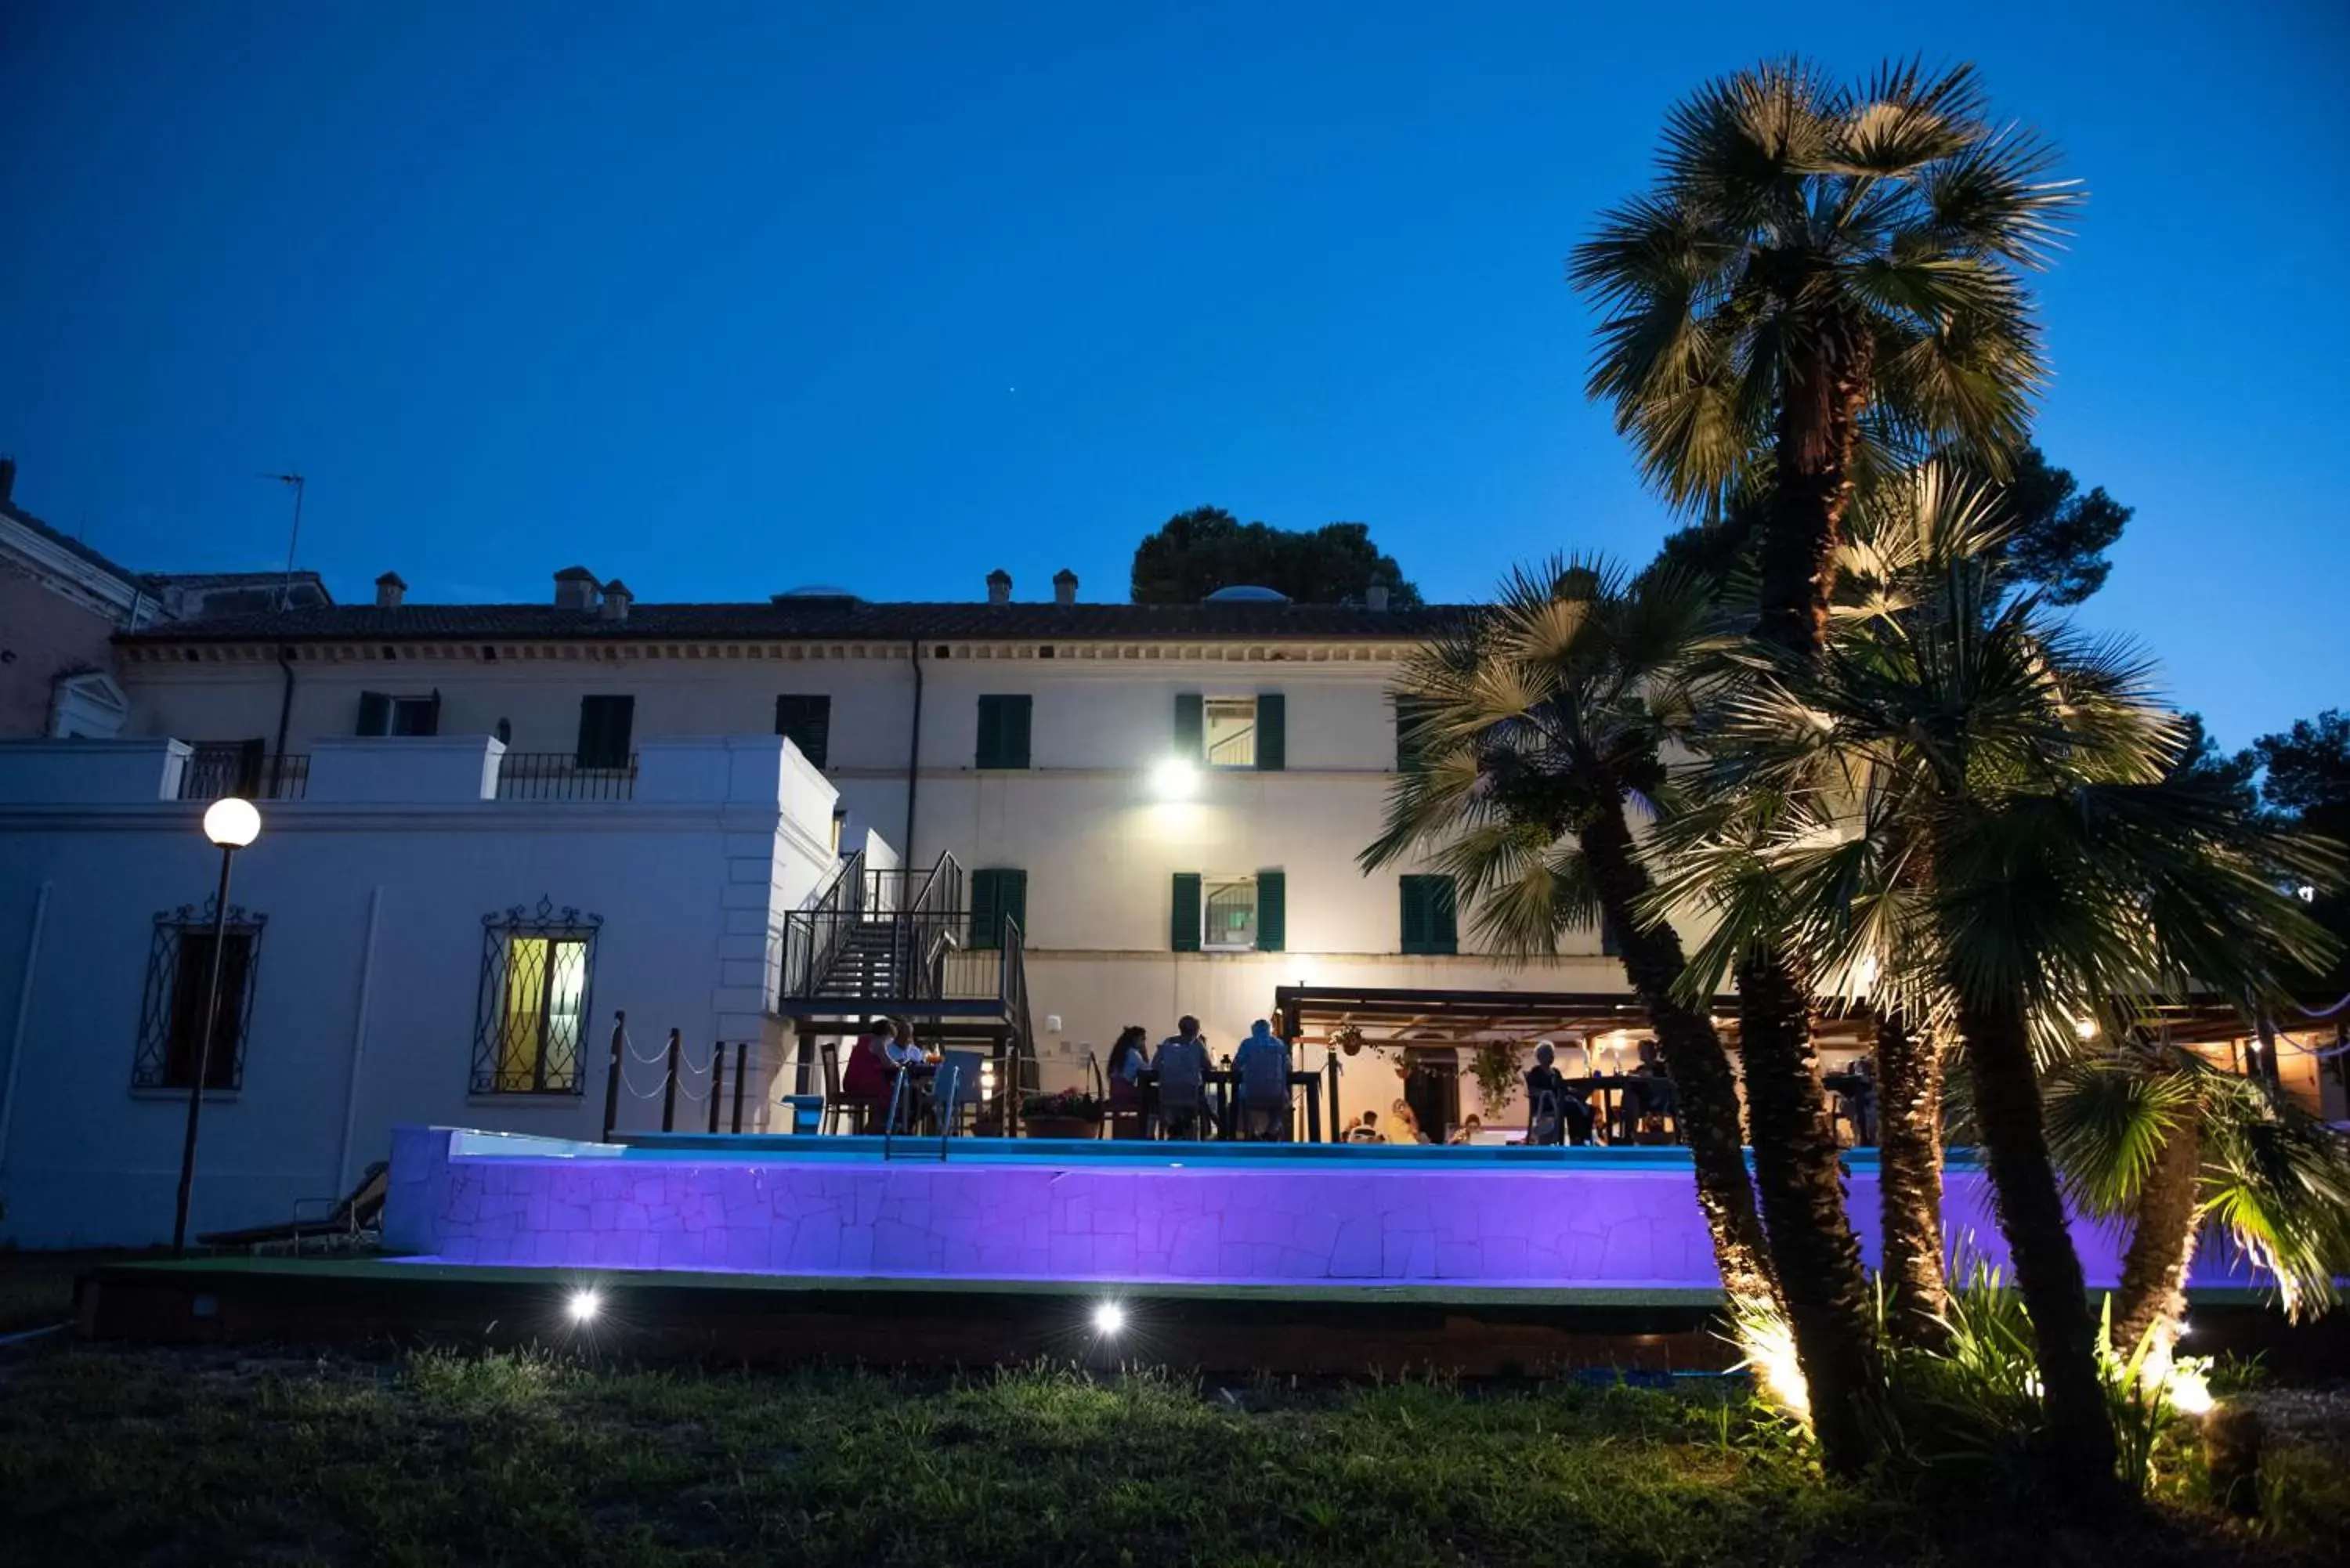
<point x="1632" y="1227"/>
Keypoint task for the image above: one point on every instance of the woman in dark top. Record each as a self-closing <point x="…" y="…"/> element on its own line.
<point x="1552" y="1108"/>
<point x="1128" y="1058"/>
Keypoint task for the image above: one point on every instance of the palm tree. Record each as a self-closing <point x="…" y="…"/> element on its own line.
<point x="1969" y="800"/>
<point x="2152" y="1135"/>
<point x="1830" y="276"/>
<point x="1540" y="726"/>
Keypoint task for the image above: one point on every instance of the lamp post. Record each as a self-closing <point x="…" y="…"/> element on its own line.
<point x="232" y="823"/>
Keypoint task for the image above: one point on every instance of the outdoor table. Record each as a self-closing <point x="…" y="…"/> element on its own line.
<point x="1217" y="1099"/>
<point x="1609" y="1086"/>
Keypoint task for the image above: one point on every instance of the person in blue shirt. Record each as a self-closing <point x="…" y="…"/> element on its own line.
<point x="1262" y="1072"/>
<point x="1182" y="1064"/>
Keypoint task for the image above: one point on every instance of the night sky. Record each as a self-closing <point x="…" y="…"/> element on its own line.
<point x="725" y="299"/>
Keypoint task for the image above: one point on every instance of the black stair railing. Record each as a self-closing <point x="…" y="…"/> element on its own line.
<point x="815" y="937"/>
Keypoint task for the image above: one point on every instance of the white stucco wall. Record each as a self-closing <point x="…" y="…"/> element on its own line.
<point x="370" y="967"/>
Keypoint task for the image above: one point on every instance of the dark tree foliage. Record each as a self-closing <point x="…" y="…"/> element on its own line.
<point x="1207" y="548"/>
<point x="2307" y="781"/>
<point x="2058" y="537"/>
<point x="2203" y="763"/>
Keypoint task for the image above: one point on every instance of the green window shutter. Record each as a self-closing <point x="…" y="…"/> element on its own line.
<point x="375" y="713"/>
<point x="429" y="722"/>
<point x="1272" y="735"/>
<point x="997" y="892"/>
<point x="1410" y="713"/>
<point x="1185" y="929"/>
<point x="1013" y="901"/>
<point x="604" y="730"/>
<point x="1430" y="921"/>
<point x="1190" y="726"/>
<point x="1272" y="912"/>
<point x="807" y="722"/>
<point x="1003" y="732"/>
<point x="1016" y="731"/>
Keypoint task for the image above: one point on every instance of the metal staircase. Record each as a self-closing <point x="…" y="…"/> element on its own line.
<point x="897" y="942"/>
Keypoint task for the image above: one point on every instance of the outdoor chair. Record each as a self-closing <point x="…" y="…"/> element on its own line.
<point x="861" y="1115"/>
<point x="357" y="1211"/>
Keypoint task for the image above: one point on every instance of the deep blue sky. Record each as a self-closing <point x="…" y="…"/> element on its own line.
<point x="728" y="298"/>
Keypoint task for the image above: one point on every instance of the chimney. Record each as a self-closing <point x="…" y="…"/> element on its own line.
<point x="1375" y="598"/>
<point x="575" y="589"/>
<point x="999" y="586"/>
<point x="389" y="589"/>
<point x="1064" y="586"/>
<point x="616" y="598"/>
<point x="8" y="479"/>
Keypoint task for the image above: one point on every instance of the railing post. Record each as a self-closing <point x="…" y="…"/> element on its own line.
<point x="741" y="1048"/>
<point x="669" y="1088"/>
<point x="1330" y="1070"/>
<point x="612" y="1075"/>
<point x="717" y="1076"/>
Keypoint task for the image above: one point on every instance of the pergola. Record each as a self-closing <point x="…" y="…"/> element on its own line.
<point x="1404" y="1016"/>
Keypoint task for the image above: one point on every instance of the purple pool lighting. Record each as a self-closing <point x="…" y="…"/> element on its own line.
<point x="1626" y="1222"/>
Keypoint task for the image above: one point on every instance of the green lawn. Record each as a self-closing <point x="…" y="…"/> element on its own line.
<point x="110" y="1455"/>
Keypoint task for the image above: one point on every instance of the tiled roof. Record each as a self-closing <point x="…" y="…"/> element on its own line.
<point x="821" y="618"/>
<point x="67" y="542"/>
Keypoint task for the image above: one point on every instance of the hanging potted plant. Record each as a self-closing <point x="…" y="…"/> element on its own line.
<point x="1347" y="1038"/>
<point x="1071" y="1112"/>
<point x="1495" y="1068"/>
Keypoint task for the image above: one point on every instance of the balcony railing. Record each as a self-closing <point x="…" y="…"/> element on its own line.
<point x="233" y="767"/>
<point x="557" y="776"/>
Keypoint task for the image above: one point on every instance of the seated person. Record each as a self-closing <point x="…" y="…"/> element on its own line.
<point x="1128" y="1058"/>
<point x="1557" y="1114"/>
<point x="1367" y="1129"/>
<point x="1182" y="1064"/>
<point x="1469" y="1131"/>
<point x="870" y="1072"/>
<point x="1261" y="1071"/>
<point x="1408" y="1120"/>
<point x="1651" y="1093"/>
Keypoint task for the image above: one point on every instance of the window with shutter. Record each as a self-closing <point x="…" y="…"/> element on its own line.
<point x="1410" y="713"/>
<point x="807" y="722"/>
<point x="1190" y="727"/>
<point x="1272" y="912"/>
<point x="605" y="725"/>
<point x="1272" y="737"/>
<point x="1184" y="934"/>
<point x="998" y="893"/>
<point x="375" y="713"/>
<point x="1428" y="918"/>
<point x="1003" y="732"/>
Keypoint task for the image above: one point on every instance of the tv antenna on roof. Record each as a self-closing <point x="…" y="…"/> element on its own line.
<point x="285" y="589"/>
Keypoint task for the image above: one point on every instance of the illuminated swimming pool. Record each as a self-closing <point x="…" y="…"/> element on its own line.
<point x="1139" y="1212"/>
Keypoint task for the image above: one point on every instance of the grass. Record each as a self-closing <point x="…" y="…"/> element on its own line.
<point x="37" y="1289"/>
<point x="113" y="1455"/>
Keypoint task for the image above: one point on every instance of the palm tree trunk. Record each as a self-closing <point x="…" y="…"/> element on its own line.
<point x="1694" y="1060"/>
<point x="1796" y="1162"/>
<point x="1801" y="1181"/>
<point x="2153" y="1294"/>
<point x="2040" y="1243"/>
<point x="1910" y="1181"/>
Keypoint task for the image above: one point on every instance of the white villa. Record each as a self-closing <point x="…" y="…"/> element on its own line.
<point x="488" y="828"/>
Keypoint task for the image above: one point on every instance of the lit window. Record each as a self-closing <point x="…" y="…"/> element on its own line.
<point x="535" y="972"/>
<point x="1228" y="914"/>
<point x="1231" y="731"/>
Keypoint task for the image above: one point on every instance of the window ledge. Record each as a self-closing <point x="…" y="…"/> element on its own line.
<point x="179" y="1095"/>
<point x="547" y="1098"/>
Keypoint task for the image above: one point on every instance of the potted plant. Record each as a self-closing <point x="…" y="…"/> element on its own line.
<point x="1071" y="1112"/>
<point x="1495" y="1068"/>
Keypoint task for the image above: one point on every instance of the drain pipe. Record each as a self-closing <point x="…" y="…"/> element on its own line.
<point x="913" y="760"/>
<point x="24" y="1016"/>
<point x="284" y="702"/>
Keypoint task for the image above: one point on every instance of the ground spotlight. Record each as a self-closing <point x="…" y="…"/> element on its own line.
<point x="1108" y="1318"/>
<point x="584" y="1305"/>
